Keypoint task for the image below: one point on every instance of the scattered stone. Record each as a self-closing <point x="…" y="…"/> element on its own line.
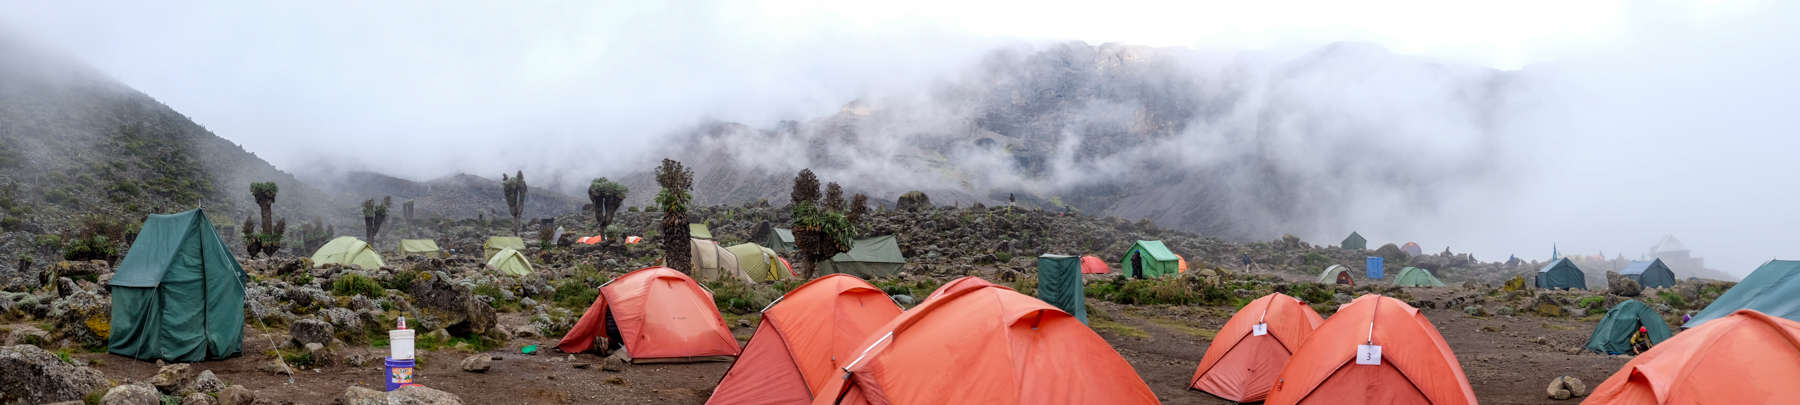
<point x="27" y="335"/>
<point x="1540" y="340"/>
<point x="614" y="363"/>
<point x="311" y="331"/>
<point x="583" y="366"/>
<point x="1504" y="311"/>
<point x="1566" y="387"/>
<point x="1475" y="310"/>
<point x="421" y="395"/>
<point x="615" y="380"/>
<point x="743" y="323"/>
<point x="34" y="375"/>
<point x="906" y="300"/>
<point x="236" y="395"/>
<point x="131" y="394"/>
<point x="478" y="363"/>
<point x="362" y="396"/>
<point x="275" y="366"/>
<point x="1622" y="286"/>
<point x="170" y="378"/>
<point x="199" y="399"/>
<point x="459" y="310"/>
<point x="206" y="383"/>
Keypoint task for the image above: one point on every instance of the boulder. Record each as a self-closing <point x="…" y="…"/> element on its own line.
<point x="1565" y="387"/>
<point x="362" y="396"/>
<point x="170" y="378"/>
<point x="205" y="383"/>
<point x="82" y="318"/>
<point x="904" y="299"/>
<point x="453" y="305"/>
<point x="1475" y="310"/>
<point x="132" y="394"/>
<point x="1621" y="286"/>
<point x="27" y="335"/>
<point x="311" y="331"/>
<point x="37" y="376"/>
<point x="199" y="399"/>
<point x="913" y="201"/>
<point x="477" y="363"/>
<point x="343" y="319"/>
<point x="236" y="395"/>
<point x="421" y="395"/>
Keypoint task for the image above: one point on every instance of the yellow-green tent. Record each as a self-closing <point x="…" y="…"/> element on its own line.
<point x="760" y="263"/>
<point x="417" y="247"/>
<point x="347" y="251"/>
<point x="497" y="243"/>
<point x="510" y="262"/>
<point x="699" y="231"/>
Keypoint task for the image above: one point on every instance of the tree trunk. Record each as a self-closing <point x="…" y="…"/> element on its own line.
<point x="268" y="217"/>
<point x="675" y="242"/>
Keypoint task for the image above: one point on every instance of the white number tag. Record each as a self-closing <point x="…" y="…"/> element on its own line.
<point x="1259" y="329"/>
<point x="1368" y="355"/>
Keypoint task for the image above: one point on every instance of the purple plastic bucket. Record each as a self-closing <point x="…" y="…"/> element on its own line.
<point x="399" y="373"/>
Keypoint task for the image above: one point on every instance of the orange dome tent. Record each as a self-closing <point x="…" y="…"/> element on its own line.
<point x="1241" y="365"/>
<point x="979" y="343"/>
<point x="1747" y="357"/>
<point x="805" y="338"/>
<point x="633" y="240"/>
<point x="1415" y="365"/>
<point x="1181" y="264"/>
<point x="1093" y="265"/>
<point x="657" y="314"/>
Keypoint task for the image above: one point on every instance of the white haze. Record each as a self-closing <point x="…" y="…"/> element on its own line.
<point x="1624" y="122"/>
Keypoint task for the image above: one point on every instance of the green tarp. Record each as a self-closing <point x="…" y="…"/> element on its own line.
<point x="1613" y="334"/>
<point x="1150" y="258"/>
<point x="178" y="295"/>
<point x="1416" y="277"/>
<point x="496" y="243"/>
<point x="417" y="247"/>
<point x="1650" y="274"/>
<point x="1059" y="283"/>
<point x="1334" y="273"/>
<point x="1355" y="241"/>
<point x="779" y="239"/>
<point x="347" y="251"/>
<point x="1561" y="274"/>
<point x="1773" y="289"/>
<point x="699" y="231"/>
<point x="510" y="262"/>
<point x="868" y="258"/>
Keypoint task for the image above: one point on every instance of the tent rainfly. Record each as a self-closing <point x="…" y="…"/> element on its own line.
<point x="1561" y="274"/>
<point x="780" y="240"/>
<point x="1416" y="277"/>
<point x="1355" y="241"/>
<point x="1772" y="289"/>
<point x="655" y="314"/>
<point x="1650" y="274"/>
<point x="1745" y="358"/>
<point x="794" y="351"/>
<point x="1613" y="334"/>
<point x="1412" y="249"/>
<point x="510" y="262"/>
<point x="495" y="244"/>
<point x="1059" y="283"/>
<point x="1414" y="365"/>
<point x="759" y="263"/>
<point x="1336" y="274"/>
<point x="1150" y="258"/>
<point x="417" y="247"/>
<point x="1241" y="364"/>
<point x="699" y="231"/>
<point x="1093" y="265"/>
<point x="347" y="251"/>
<point x="868" y="258"/>
<point x="711" y="262"/>
<point x="178" y="295"/>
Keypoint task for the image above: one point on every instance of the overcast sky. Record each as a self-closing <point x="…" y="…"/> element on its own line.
<point x="1671" y="116"/>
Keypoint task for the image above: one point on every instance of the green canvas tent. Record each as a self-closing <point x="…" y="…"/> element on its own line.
<point x="1650" y="274"/>
<point x="417" y="247"/>
<point x="347" y="251"/>
<point x="1355" y="241"/>
<point x="699" y="231"/>
<point x="760" y="263"/>
<point x="1561" y="274"/>
<point x="1336" y="274"/>
<point x="868" y="258"/>
<point x="1613" y="334"/>
<point x="1416" y="277"/>
<point x="495" y="244"/>
<point x="1150" y="258"/>
<point x="1773" y="289"/>
<point x="178" y="295"/>
<point x="780" y="240"/>
<point x="1059" y="283"/>
<point x="510" y="262"/>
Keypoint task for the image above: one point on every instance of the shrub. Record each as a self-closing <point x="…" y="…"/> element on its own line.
<point x="357" y="284"/>
<point x="96" y="247"/>
<point x="402" y="281"/>
<point x="574" y="294"/>
<point x="737" y="297"/>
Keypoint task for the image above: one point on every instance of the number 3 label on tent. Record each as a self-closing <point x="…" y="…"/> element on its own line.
<point x="1259" y="329"/>
<point x="1368" y="355"/>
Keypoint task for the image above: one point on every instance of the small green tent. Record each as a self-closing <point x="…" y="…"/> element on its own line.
<point x="347" y="251"/>
<point x="1150" y="258"/>
<point x="868" y="258"/>
<point x="780" y="240"/>
<point x="1059" y="283"/>
<point x="417" y="247"/>
<point x="1336" y="274"/>
<point x="510" y="262"/>
<point x="1416" y="277"/>
<point x="1561" y="274"/>
<point x="1613" y="334"/>
<point x="495" y="244"/>
<point x="1355" y="241"/>
<point x="1650" y="274"/>
<point x="699" y="231"/>
<point x="1773" y="289"/>
<point x="760" y="263"/>
<point x="178" y="295"/>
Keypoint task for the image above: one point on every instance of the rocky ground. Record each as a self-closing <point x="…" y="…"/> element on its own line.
<point x="318" y="335"/>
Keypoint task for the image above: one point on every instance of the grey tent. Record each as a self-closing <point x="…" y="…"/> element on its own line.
<point x="1336" y="274"/>
<point x="1650" y="274"/>
<point x="1773" y="289"/>
<point x="1561" y="274"/>
<point x="1355" y="241"/>
<point x="1059" y="283"/>
<point x="868" y="258"/>
<point x="778" y="239"/>
<point x="178" y="294"/>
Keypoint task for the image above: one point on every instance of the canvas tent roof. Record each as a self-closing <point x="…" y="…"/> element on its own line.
<point x="1059" y="283"/>
<point x="1161" y="261"/>
<point x="659" y="314"/>
<point x="178" y="294"/>
<point x="1240" y="365"/>
<point x="1416" y="277"/>
<point x="1773" y="289"/>
<point x="1354" y="241"/>
<point x="1417" y="365"/>
<point x="496" y="243"/>
<point x="417" y="247"/>
<point x="868" y="258"/>
<point x="1561" y="274"/>
<point x="1650" y="274"/>
<point x="1745" y="358"/>
<point x="699" y="231"/>
<point x="712" y="262"/>
<point x="794" y="351"/>
<point x="347" y="251"/>
<point x="510" y="262"/>
<point x="1613" y="334"/>
<point x="1330" y="275"/>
